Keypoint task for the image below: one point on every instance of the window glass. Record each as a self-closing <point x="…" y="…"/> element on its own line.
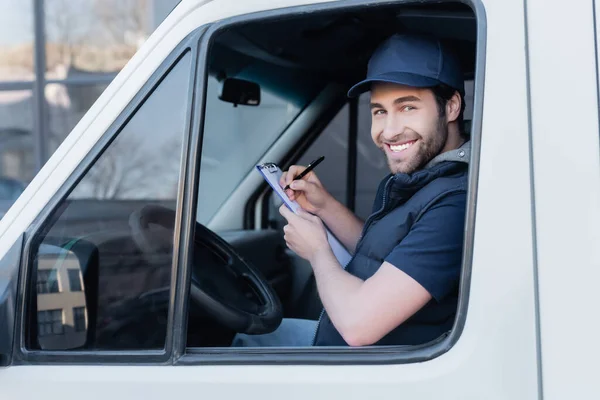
<point x="65" y="106"/>
<point x="235" y="137"/>
<point x="111" y="270"/>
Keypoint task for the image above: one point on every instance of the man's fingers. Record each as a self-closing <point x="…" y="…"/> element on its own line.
<point x="284" y="211"/>
<point x="302" y="185"/>
<point x="291" y="194"/>
<point x="287" y="213"/>
<point x="291" y="216"/>
<point x="293" y="172"/>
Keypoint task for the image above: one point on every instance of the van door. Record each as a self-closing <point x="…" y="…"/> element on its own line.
<point x="494" y="348"/>
<point x="98" y="274"/>
<point x="123" y="353"/>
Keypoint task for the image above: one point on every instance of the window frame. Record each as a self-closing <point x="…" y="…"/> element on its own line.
<point x="26" y="288"/>
<point x="336" y="355"/>
<point x="10" y="267"/>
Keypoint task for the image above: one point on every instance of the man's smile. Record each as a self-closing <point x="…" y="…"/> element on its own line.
<point x="401" y="151"/>
<point x="396" y="148"/>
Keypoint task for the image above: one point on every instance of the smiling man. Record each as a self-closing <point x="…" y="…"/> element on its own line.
<point x="401" y="286"/>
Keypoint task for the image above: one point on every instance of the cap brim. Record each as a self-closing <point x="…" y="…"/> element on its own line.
<point x="400" y="78"/>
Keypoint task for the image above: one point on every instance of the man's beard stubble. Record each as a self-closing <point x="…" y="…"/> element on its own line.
<point x="428" y="149"/>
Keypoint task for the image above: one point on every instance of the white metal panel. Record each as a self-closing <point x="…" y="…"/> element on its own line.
<point x="494" y="358"/>
<point x="567" y="193"/>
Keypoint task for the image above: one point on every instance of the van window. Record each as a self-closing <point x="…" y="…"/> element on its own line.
<point x="285" y="56"/>
<point x="97" y="286"/>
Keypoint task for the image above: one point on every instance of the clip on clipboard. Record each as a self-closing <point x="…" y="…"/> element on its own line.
<point x="272" y="173"/>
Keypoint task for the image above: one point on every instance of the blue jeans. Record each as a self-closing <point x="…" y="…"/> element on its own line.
<point x="290" y="333"/>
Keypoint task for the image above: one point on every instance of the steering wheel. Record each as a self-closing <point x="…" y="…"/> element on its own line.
<point x="228" y="288"/>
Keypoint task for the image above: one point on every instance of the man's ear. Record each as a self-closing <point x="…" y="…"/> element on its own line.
<point x="453" y="107"/>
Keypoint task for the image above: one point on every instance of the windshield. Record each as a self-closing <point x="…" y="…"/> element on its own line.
<point x="235" y="138"/>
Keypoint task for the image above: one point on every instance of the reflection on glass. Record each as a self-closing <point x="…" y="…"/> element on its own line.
<point x="98" y="35"/>
<point x="66" y="105"/>
<point x="17" y="164"/>
<point x="80" y="319"/>
<point x="47" y="282"/>
<point x="75" y="280"/>
<point x="16" y="40"/>
<point x="51" y="323"/>
<point x="59" y="307"/>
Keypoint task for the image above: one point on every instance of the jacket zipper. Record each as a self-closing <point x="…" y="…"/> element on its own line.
<point x="370" y="220"/>
<point x="367" y="224"/>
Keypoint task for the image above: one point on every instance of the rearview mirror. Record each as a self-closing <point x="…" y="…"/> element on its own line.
<point x="239" y="91"/>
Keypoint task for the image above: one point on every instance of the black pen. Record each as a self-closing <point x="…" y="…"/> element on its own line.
<point x="310" y="167"/>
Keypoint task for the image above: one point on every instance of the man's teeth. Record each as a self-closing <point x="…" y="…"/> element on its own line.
<point x="401" y="147"/>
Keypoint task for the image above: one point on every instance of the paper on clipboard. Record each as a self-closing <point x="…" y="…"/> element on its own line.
<point x="272" y="173"/>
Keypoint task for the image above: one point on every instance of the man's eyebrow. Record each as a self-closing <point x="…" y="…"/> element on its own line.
<point x="399" y="100"/>
<point x="404" y="99"/>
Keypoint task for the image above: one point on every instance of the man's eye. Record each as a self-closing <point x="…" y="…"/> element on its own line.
<point x="378" y="112"/>
<point x="408" y="108"/>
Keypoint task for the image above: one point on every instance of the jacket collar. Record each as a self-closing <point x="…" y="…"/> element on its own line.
<point x="462" y="154"/>
<point x="402" y="186"/>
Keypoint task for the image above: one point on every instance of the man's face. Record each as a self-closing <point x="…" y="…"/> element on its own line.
<point x="406" y="125"/>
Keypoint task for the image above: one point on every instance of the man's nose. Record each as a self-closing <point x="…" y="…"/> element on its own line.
<point x="394" y="126"/>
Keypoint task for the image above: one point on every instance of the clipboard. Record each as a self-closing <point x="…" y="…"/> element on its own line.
<point x="272" y="173"/>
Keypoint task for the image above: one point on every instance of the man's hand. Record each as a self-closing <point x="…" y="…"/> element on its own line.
<point x="312" y="197"/>
<point x="308" y="191"/>
<point x="304" y="234"/>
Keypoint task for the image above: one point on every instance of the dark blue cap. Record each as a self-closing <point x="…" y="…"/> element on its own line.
<point x="411" y="60"/>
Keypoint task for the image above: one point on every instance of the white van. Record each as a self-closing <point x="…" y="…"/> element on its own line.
<point x="115" y="278"/>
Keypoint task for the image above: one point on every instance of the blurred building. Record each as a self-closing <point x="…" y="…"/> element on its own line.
<point x="61" y="304"/>
<point x="56" y="58"/>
